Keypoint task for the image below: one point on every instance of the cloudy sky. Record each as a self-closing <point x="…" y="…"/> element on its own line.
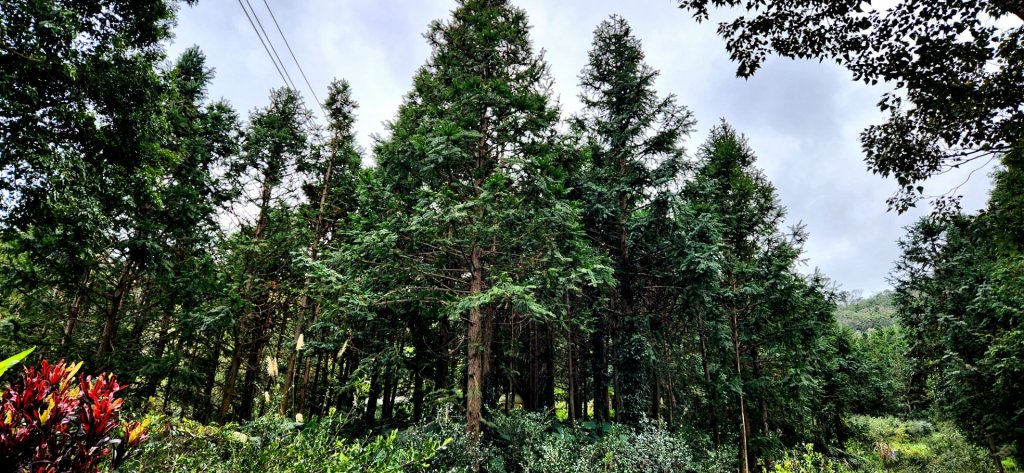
<point x="802" y="118"/>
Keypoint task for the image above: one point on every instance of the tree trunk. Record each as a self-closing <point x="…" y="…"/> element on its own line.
<point x="252" y="370"/>
<point x="76" y="308"/>
<point x="417" y="396"/>
<point x="114" y="308"/>
<point x="314" y="251"/>
<point x="158" y="352"/>
<point x="548" y="378"/>
<point x="656" y="398"/>
<point x="307" y="365"/>
<point x="600" y="367"/>
<point x="289" y="376"/>
<point x="570" y="403"/>
<point x="211" y="379"/>
<point x="441" y="358"/>
<point x="996" y="457"/>
<point x="230" y="377"/>
<point x="755" y="366"/>
<point x="476" y="353"/>
<point x="370" y="414"/>
<point x="534" y="385"/>
<point x="244" y="339"/>
<point x="744" y="427"/>
<point x="419" y="363"/>
<point x="389" y="386"/>
<point x="712" y="412"/>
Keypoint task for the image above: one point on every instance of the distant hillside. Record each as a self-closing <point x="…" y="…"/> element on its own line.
<point x="873" y="312"/>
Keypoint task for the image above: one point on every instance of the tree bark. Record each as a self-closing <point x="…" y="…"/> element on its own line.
<point x="702" y="335"/>
<point x="599" y="361"/>
<point x="417" y="396"/>
<point x="389" y="386"/>
<point x="476" y="353"/>
<point x="996" y="457"/>
<point x="76" y="308"/>
<point x="744" y="427"/>
<point x="307" y="365"/>
<point x="370" y="414"/>
<point x="570" y="403"/>
<point x="230" y="377"/>
<point x="114" y="308"/>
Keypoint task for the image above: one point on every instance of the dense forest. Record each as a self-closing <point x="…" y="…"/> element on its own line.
<point x="508" y="287"/>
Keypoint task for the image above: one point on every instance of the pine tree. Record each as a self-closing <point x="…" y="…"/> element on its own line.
<point x="633" y="141"/>
<point x="759" y="293"/>
<point x="275" y="139"/>
<point x="474" y="143"/>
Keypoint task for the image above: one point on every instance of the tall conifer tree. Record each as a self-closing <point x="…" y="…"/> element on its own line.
<point x="474" y="143"/>
<point x="634" y="143"/>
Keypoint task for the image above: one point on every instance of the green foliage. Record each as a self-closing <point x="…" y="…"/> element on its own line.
<point x="10" y="362"/>
<point x="273" y="444"/>
<point x="892" y="444"/>
<point x="875" y="312"/>
<point x="529" y="442"/>
<point x="958" y="86"/>
<point x="876" y="371"/>
<point x="958" y="290"/>
<point x="497" y="257"/>
<point x="806" y="461"/>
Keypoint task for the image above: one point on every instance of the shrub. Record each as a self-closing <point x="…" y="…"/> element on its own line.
<point x="521" y="441"/>
<point x="891" y="444"/>
<point x="53" y="422"/>
<point x="272" y="443"/>
<point x="806" y="461"/>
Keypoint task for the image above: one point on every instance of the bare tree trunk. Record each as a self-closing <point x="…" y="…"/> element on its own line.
<point x="76" y="308"/>
<point x="996" y="457"/>
<point x="370" y="414"/>
<point x="389" y="386"/>
<point x="656" y="398"/>
<point x="600" y="368"/>
<point x="307" y="365"/>
<point x="314" y="251"/>
<point x="417" y="396"/>
<point x="114" y="308"/>
<point x="744" y="427"/>
<point x="548" y="378"/>
<point x="230" y="377"/>
<point x="476" y="353"/>
<point x="441" y="361"/>
<point x="244" y="337"/>
<point x="570" y="403"/>
<point x="702" y="333"/>
<point x="211" y="379"/>
<point x="755" y="364"/>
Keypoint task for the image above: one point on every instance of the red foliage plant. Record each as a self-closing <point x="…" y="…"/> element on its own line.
<point x="53" y="422"/>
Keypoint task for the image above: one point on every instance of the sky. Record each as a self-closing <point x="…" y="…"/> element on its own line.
<point x="802" y="118"/>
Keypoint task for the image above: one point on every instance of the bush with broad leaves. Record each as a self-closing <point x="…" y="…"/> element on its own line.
<point x="54" y="421"/>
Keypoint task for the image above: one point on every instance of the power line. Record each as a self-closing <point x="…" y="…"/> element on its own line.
<point x="267" y="36"/>
<point x="274" y="58"/>
<point x="292" y="53"/>
<point x="265" y="48"/>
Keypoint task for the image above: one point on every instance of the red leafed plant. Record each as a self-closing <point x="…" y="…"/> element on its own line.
<point x="53" y="422"/>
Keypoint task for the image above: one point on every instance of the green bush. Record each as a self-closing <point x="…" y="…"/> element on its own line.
<point x="273" y="444"/>
<point x="893" y="445"/>
<point x="513" y="442"/>
<point x="529" y="442"/>
<point x="806" y="461"/>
